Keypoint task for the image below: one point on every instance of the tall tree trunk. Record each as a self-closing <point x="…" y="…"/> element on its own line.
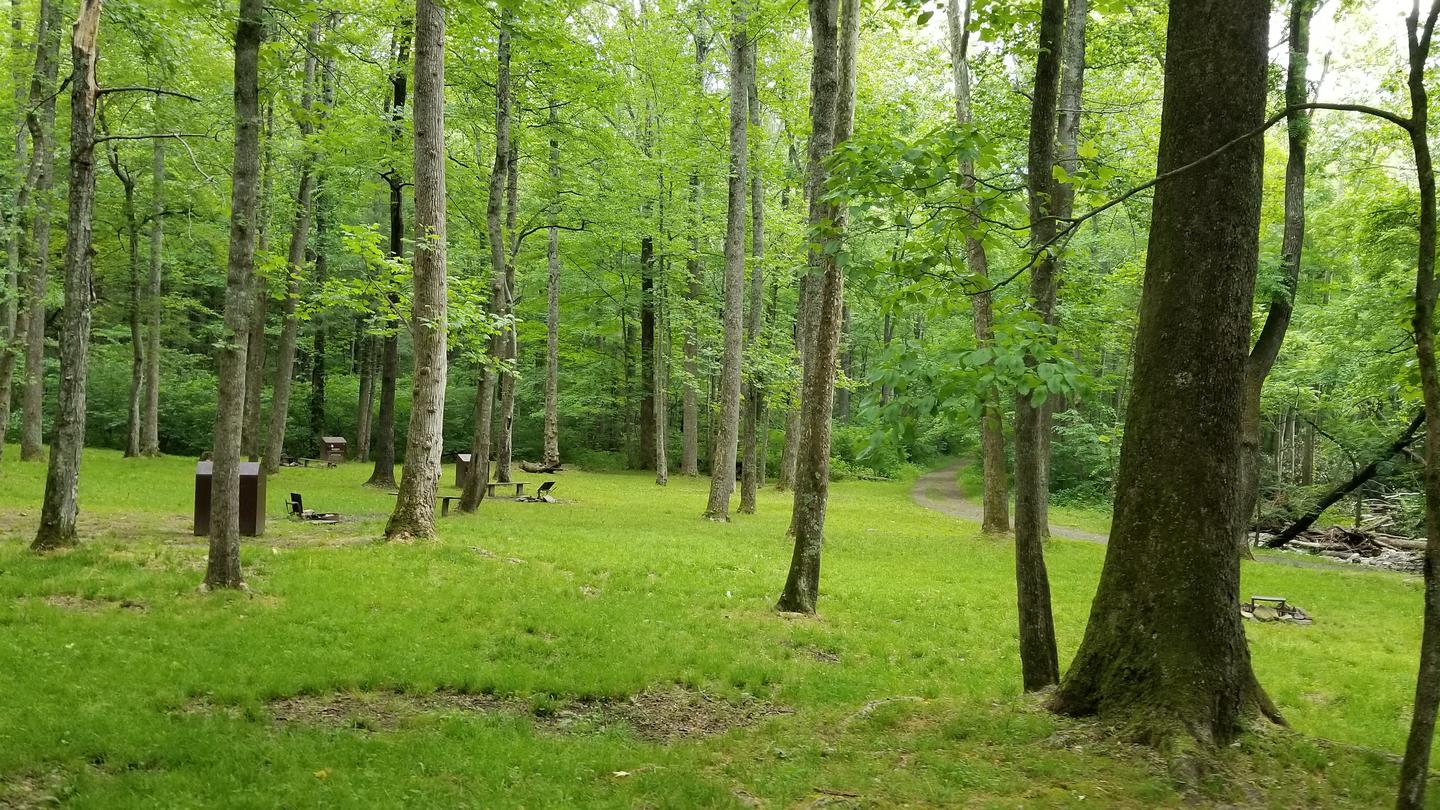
<point x="12" y="323"/>
<point x="137" y="346"/>
<point x="295" y="267"/>
<point x="694" y="290"/>
<point x="722" y="459"/>
<point x="1039" y="663"/>
<point x="1415" y="768"/>
<point x="40" y="120"/>
<point x="474" y="485"/>
<point x="154" y="303"/>
<point x="832" y="113"/>
<point x="647" y="352"/>
<point x="62" y="479"/>
<point x="505" y="445"/>
<point x="1277" y="320"/>
<point x="660" y="384"/>
<point x="383" y="474"/>
<point x="321" y="251"/>
<point x="805" y="316"/>
<point x="753" y="467"/>
<point x="414" y="514"/>
<point x="255" y="353"/>
<point x="223" y="567"/>
<point x="995" y="509"/>
<point x="551" y="454"/>
<point x="365" y="409"/>
<point x="1164" y="649"/>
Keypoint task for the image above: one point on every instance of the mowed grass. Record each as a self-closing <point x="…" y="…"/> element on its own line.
<point x="904" y="691"/>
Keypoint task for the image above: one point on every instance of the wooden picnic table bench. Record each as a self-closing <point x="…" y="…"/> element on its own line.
<point x="444" y="502"/>
<point x="519" y="487"/>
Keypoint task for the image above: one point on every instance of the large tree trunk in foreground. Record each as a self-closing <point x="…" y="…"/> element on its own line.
<point x="223" y="567"/>
<point x="995" y="515"/>
<point x="1277" y="320"/>
<point x="753" y="467"/>
<point x="1355" y="481"/>
<point x="1039" y="663"/>
<point x="832" y="111"/>
<point x="295" y="267"/>
<point x="551" y="455"/>
<point x="722" y="458"/>
<point x="1164" y="650"/>
<point x="154" y="300"/>
<point x="62" y="479"/>
<point x="1414" y="769"/>
<point x="41" y="122"/>
<point x="414" y="515"/>
<point x="474" y="485"/>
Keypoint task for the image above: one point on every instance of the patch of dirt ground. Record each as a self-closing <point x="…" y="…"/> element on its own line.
<point x="662" y="715"/>
<point x="84" y="604"/>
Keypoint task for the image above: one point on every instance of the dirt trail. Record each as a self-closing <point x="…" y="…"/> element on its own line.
<point x="939" y="490"/>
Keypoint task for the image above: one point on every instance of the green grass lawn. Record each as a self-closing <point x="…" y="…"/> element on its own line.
<point x="125" y="687"/>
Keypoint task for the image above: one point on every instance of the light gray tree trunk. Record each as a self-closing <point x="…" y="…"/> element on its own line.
<point x="154" y="302"/>
<point x="223" y="567"/>
<point x="294" y="269"/>
<point x="832" y="114"/>
<point x="753" y="465"/>
<point x="40" y="121"/>
<point x="414" y="515"/>
<point x="62" y="479"/>
<point x="727" y="429"/>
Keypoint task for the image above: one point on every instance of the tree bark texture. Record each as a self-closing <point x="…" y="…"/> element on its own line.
<point x="832" y="111"/>
<point x="722" y="458"/>
<point x="223" y="566"/>
<point x="256" y="348"/>
<point x="1039" y="663"/>
<point x="41" y="123"/>
<point x="753" y="466"/>
<point x="1164" y="650"/>
<point x="414" y="515"/>
<point x="62" y="479"/>
<point x="154" y="303"/>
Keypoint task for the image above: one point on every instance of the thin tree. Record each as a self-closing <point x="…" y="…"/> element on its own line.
<point x="223" y="567"/>
<point x="365" y="406"/>
<point x="40" y="121"/>
<point x="414" y="515"/>
<point x="321" y="251"/>
<point x="551" y="454"/>
<point x="383" y="474"/>
<point x="295" y="264"/>
<point x="154" y="303"/>
<point x="694" y="285"/>
<point x="1272" y="335"/>
<point x="832" y="114"/>
<point x="752" y="468"/>
<point x="12" y="319"/>
<point x="505" y="443"/>
<point x="995" y="508"/>
<point x="256" y="348"/>
<point x="473" y="487"/>
<point x="133" y="294"/>
<point x="62" y="478"/>
<point x="727" y="429"/>
<point x="1415" y="768"/>
<point x="1164" y="649"/>
<point x="1039" y="663"/>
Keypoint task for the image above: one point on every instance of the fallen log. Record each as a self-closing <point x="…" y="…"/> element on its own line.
<point x="1365" y="474"/>
<point x="537" y="468"/>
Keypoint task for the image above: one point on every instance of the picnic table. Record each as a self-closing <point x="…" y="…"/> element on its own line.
<point x="444" y="502"/>
<point x="519" y="487"/>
